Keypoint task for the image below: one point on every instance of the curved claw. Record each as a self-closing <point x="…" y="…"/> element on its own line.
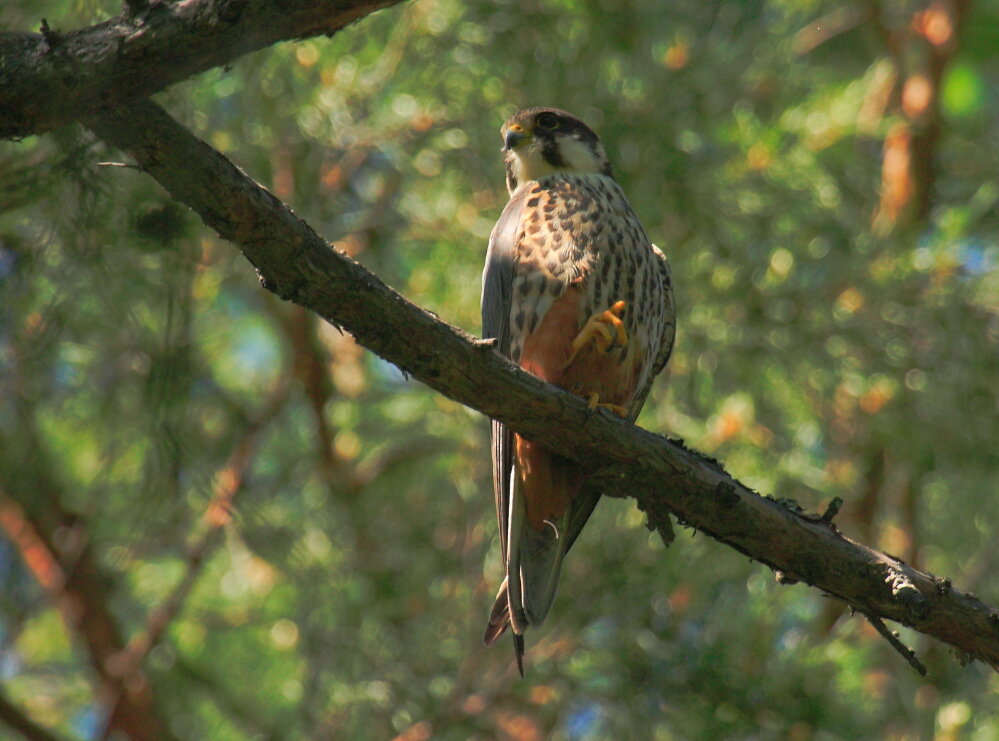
<point x="593" y="400"/>
<point x="605" y="329"/>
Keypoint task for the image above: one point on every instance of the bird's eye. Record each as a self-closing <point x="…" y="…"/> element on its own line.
<point x="547" y="121"/>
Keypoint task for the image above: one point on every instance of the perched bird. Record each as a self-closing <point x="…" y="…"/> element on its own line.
<point x="575" y="293"/>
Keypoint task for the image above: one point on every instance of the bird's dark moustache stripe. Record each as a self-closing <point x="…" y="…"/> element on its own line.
<point x="550" y="153"/>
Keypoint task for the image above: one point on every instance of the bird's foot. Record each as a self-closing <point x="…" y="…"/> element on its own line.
<point x="593" y="400"/>
<point x="605" y="329"/>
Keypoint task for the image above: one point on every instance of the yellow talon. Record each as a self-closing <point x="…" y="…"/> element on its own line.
<point x="593" y="400"/>
<point x="606" y="329"/>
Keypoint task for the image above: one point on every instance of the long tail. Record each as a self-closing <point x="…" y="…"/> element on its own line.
<point x="548" y="508"/>
<point x="499" y="621"/>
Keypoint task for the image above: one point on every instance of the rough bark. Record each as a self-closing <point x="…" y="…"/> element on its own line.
<point x="51" y="78"/>
<point x="662" y="475"/>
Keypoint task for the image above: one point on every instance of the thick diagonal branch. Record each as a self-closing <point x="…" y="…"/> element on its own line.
<point x="52" y="78"/>
<point x="294" y="262"/>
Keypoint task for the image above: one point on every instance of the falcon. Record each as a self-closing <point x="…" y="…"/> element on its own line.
<point x="574" y="292"/>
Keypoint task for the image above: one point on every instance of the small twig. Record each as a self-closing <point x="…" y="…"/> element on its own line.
<point x="907" y="653"/>
<point x="832" y="510"/>
<point x="51" y="37"/>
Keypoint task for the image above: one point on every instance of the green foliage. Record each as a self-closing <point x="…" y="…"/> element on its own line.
<point x="819" y="355"/>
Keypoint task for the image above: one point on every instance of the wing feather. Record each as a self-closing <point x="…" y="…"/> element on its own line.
<point x="497" y="289"/>
<point x="667" y="336"/>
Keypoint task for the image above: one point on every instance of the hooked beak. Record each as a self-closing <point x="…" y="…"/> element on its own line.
<point x="513" y="137"/>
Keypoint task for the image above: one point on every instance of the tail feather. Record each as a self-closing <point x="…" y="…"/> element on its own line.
<point x="535" y="563"/>
<point x="518" y="651"/>
<point x="499" y="621"/>
<point x="548" y="508"/>
<point x="499" y="617"/>
<point x="546" y="512"/>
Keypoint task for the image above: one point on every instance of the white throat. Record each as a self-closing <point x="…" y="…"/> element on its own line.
<point x="528" y="163"/>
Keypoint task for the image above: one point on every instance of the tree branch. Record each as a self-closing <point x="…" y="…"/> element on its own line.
<point x="51" y="78"/>
<point x="909" y="163"/>
<point x="662" y="475"/>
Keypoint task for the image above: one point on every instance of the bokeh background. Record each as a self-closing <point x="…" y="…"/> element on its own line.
<point x="305" y="539"/>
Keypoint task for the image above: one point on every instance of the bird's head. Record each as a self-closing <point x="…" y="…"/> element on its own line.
<point x="543" y="141"/>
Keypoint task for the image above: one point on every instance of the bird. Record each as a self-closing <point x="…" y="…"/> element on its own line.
<point x="574" y="292"/>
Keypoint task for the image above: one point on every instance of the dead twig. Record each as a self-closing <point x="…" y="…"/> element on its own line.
<point x="907" y="653"/>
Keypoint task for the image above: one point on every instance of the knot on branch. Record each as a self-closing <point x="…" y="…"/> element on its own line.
<point x="725" y="494"/>
<point x="832" y="510"/>
<point x="906" y="593"/>
<point x="267" y="284"/>
<point x="658" y="521"/>
<point x="52" y="38"/>
<point x="286" y="290"/>
<point x="826" y="518"/>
